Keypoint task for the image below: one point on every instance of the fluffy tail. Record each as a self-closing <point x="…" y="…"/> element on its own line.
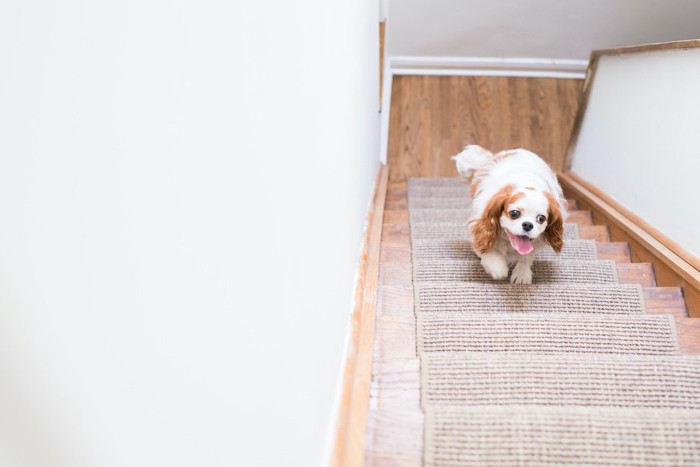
<point x="471" y="159"/>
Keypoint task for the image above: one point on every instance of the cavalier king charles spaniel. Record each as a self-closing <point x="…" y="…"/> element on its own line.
<point x="517" y="208"/>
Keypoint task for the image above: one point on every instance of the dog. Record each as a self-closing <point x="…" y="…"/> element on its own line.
<point x="517" y="208"/>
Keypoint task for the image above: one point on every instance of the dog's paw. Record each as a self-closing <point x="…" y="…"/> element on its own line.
<point x="495" y="266"/>
<point x="521" y="276"/>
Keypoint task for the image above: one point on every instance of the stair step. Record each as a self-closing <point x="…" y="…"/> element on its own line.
<point x="560" y="436"/>
<point x="581" y="272"/>
<point x="665" y="300"/>
<point x="396" y="198"/>
<point x="401" y="273"/>
<point x="465" y="298"/>
<point x="438" y="250"/>
<point x="689" y="335"/>
<point x="547" y="332"/>
<point x="598" y="233"/>
<point x="400" y="216"/>
<point x="580" y="217"/>
<point x="561" y="379"/>
<point x="443" y="202"/>
<point x="458" y="230"/>
<point x="396" y="323"/>
<point x="398" y="294"/>
<point x="400" y="233"/>
<point x="435" y="181"/>
<point x="460" y="192"/>
<point x="614" y="251"/>
<point x="460" y="249"/>
<point x="636" y="273"/>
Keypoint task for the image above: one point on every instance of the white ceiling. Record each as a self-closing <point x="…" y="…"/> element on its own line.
<point x="557" y="29"/>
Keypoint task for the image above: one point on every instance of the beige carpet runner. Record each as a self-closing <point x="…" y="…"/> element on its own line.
<point x="567" y="371"/>
<point x="457" y="230"/>
<point x="544" y="271"/>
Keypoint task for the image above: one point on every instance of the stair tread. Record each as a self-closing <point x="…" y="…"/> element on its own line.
<point x="689" y="335"/>
<point x="546" y="332"/>
<point x="458" y="230"/>
<point x="394" y="233"/>
<point x="558" y="435"/>
<point x="544" y="271"/>
<point x="400" y="250"/>
<point x="446" y="249"/>
<point x="499" y="298"/>
<point x="400" y="272"/>
<point x="400" y="216"/>
<point x="561" y="379"/>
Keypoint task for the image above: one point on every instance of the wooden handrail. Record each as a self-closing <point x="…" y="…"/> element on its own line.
<point x="674" y="266"/>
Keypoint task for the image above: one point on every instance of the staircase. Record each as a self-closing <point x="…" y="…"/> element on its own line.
<point x="609" y="362"/>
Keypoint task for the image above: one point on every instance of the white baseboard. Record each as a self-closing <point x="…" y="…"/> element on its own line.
<point x="489" y="66"/>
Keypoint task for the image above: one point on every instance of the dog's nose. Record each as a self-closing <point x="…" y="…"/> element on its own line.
<point x="527" y="226"/>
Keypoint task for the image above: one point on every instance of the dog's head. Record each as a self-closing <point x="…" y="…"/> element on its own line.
<point x="523" y="215"/>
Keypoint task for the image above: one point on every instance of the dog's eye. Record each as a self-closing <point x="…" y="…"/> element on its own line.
<point x="514" y="214"/>
<point x="541" y="219"/>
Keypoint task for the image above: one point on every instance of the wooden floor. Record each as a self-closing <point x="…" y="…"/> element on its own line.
<point x="395" y="422"/>
<point x="434" y="117"/>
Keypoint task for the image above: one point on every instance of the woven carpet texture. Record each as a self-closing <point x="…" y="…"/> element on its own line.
<point x="569" y="370"/>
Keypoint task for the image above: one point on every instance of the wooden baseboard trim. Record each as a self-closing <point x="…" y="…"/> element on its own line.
<point x="349" y="445"/>
<point x="673" y="266"/>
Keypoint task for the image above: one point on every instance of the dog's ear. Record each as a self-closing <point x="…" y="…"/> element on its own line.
<point x="484" y="231"/>
<point x="554" y="233"/>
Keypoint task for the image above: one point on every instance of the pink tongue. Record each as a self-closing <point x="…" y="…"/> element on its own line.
<point x="521" y="243"/>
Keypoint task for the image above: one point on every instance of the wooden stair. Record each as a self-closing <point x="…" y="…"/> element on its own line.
<point x="395" y="421"/>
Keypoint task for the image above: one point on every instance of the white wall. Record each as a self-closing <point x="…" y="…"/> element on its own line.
<point x="183" y="187"/>
<point x="550" y="29"/>
<point x="640" y="143"/>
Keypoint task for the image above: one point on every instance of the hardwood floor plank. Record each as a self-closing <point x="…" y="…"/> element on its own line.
<point x="434" y="117"/>
<point x="614" y="251"/>
<point x="689" y="335"/>
<point x="396" y="274"/>
<point x="598" y="233"/>
<point x="395" y="253"/>
<point x="395" y="438"/>
<point x="395" y="381"/>
<point x="396" y="216"/>
<point x="665" y="300"/>
<point x="580" y="217"/>
<point x="396" y="234"/>
<point x="638" y="273"/>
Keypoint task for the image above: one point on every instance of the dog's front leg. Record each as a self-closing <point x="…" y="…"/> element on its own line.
<point x="495" y="264"/>
<point x="522" y="272"/>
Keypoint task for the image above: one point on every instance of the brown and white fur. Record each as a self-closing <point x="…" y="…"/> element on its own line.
<point x="517" y="208"/>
